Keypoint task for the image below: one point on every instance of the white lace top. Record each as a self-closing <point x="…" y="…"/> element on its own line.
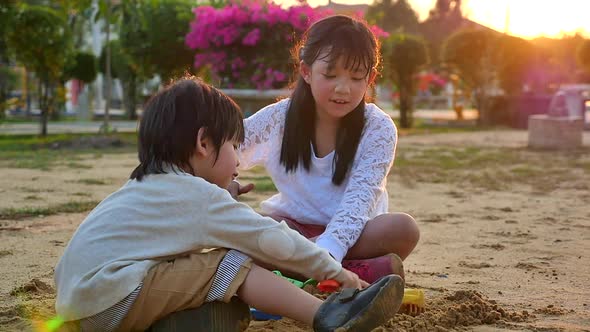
<point x="310" y="197"/>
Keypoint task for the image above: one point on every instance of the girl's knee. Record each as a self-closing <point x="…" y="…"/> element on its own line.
<point x="405" y="226"/>
<point x="411" y="227"/>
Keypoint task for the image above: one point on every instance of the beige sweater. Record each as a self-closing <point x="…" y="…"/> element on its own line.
<point x="167" y="215"/>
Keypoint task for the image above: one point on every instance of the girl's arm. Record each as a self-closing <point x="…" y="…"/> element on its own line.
<point x="262" y="129"/>
<point x="368" y="174"/>
<point x="230" y="224"/>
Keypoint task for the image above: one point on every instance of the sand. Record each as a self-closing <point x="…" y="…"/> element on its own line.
<point x="499" y="250"/>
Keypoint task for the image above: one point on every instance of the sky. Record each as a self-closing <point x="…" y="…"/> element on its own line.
<point x="526" y="18"/>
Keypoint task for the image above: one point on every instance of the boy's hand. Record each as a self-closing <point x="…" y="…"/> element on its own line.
<point x="236" y="189"/>
<point x="349" y="279"/>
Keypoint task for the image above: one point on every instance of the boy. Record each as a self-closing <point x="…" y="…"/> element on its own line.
<point x="139" y="255"/>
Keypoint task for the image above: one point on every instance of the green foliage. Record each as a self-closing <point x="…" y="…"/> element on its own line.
<point x="404" y="56"/>
<point x="153" y="33"/>
<point x="393" y="17"/>
<point x="126" y="70"/>
<point x="469" y="52"/>
<point x="583" y="54"/>
<point x="83" y="67"/>
<point x="559" y="58"/>
<point x="443" y="20"/>
<point x="41" y="41"/>
<point x="27" y="212"/>
<point x="515" y="58"/>
<point x="7" y="9"/>
<point x="9" y="80"/>
<point x="121" y="64"/>
<point x="7" y="75"/>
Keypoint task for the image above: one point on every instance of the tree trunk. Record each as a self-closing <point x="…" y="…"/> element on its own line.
<point x="484" y="117"/>
<point x="43" y="96"/>
<point x="107" y="69"/>
<point x="28" y="88"/>
<point x="405" y="108"/>
<point x="130" y="93"/>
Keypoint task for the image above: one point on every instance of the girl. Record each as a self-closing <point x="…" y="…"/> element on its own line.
<point x="328" y="153"/>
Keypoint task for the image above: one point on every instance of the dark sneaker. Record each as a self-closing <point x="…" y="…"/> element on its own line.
<point x="211" y="316"/>
<point x="372" y="269"/>
<point x="359" y="311"/>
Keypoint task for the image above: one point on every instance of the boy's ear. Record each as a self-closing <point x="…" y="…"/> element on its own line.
<point x="203" y="143"/>
<point x="305" y="71"/>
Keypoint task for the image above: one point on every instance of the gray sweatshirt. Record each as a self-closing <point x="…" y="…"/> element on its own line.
<point x="164" y="216"/>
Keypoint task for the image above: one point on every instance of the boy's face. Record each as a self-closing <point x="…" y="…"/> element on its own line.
<point x="221" y="171"/>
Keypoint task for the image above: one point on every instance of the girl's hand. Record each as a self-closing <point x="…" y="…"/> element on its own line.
<point x="236" y="189"/>
<point x="349" y="279"/>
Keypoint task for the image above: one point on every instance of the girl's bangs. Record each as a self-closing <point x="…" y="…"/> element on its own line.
<point x="354" y="57"/>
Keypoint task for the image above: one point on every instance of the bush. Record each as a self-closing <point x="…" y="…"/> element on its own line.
<point x="248" y="44"/>
<point x="82" y="68"/>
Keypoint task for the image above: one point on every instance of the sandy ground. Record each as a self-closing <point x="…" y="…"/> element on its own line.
<point x="505" y="239"/>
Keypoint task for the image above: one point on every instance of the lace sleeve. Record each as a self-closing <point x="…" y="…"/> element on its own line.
<point x="260" y="130"/>
<point x="367" y="181"/>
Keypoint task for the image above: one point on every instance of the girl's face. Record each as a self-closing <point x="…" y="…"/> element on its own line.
<point x="335" y="89"/>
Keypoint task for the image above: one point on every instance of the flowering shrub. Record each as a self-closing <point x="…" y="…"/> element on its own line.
<point x="248" y="44"/>
<point x="431" y="82"/>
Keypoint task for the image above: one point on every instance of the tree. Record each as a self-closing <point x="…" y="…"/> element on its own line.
<point x="583" y="55"/>
<point x="393" y="17"/>
<point x="469" y="53"/>
<point x="515" y="61"/>
<point x="123" y="68"/>
<point x="41" y="41"/>
<point x="83" y="67"/>
<point x="108" y="13"/>
<point x="404" y="56"/>
<point x="154" y="31"/>
<point x="443" y="20"/>
<point x="7" y="76"/>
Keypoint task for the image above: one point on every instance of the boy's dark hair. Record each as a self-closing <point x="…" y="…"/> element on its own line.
<point x="172" y="118"/>
<point x="346" y="38"/>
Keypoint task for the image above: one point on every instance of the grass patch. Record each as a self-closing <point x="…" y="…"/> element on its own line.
<point x="34" y="152"/>
<point x="261" y="183"/>
<point x="421" y="128"/>
<point x="6" y="253"/>
<point x="34" y="190"/>
<point x="78" y="165"/>
<point x="488" y="168"/>
<point x="26" y="212"/>
<point x="34" y="142"/>
<point x="92" y="182"/>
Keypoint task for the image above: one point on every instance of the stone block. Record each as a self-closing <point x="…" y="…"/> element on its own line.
<point x="555" y="132"/>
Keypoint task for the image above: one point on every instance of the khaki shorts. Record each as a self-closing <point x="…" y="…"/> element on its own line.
<point x="179" y="284"/>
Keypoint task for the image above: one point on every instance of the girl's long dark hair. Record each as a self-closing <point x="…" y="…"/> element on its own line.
<point x="335" y="37"/>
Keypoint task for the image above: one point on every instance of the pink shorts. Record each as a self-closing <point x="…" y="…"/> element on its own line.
<point x="307" y="230"/>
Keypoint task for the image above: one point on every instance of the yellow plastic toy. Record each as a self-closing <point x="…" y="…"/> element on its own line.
<point x="413" y="302"/>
